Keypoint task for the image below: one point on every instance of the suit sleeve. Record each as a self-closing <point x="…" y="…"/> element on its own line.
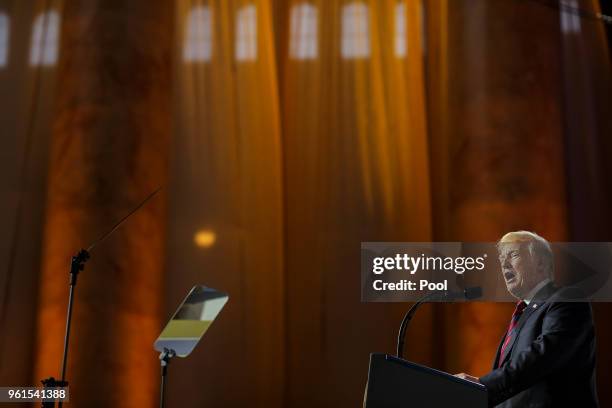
<point x="565" y="328"/>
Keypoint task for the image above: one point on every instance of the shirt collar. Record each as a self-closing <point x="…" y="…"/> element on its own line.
<point x="535" y="290"/>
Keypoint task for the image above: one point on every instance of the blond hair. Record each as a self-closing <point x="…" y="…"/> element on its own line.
<point x="538" y="247"/>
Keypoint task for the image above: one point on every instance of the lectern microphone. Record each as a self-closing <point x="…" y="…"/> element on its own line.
<point x="470" y="293"/>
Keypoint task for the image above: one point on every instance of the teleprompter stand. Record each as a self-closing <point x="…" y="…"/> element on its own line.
<point x="164" y="359"/>
<point x="186" y="328"/>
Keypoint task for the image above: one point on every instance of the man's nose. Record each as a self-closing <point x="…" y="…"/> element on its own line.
<point x="506" y="262"/>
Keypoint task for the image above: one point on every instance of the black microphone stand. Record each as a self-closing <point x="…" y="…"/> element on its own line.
<point x="77" y="265"/>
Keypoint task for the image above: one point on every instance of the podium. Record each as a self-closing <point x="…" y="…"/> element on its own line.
<point x="397" y="383"/>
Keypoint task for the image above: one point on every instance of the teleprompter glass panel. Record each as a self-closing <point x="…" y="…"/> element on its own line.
<point x="191" y="320"/>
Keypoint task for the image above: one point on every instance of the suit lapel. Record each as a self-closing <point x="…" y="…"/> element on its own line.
<point x="538" y="301"/>
<point x="497" y="353"/>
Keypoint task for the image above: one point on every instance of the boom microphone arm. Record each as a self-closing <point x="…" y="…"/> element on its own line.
<point x="468" y="294"/>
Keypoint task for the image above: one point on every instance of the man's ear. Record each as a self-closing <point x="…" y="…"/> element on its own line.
<point x="541" y="267"/>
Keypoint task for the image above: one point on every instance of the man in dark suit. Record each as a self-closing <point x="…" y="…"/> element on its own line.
<point x="546" y="358"/>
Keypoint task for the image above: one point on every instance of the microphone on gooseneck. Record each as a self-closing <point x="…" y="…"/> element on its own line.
<point x="470" y="293"/>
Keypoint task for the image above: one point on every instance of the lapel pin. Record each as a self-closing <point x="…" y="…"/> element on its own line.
<point x="535" y="305"/>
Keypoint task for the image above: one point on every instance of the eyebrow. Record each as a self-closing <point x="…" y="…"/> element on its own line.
<point x="512" y="252"/>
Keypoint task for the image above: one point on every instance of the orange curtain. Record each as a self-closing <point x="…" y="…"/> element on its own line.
<point x="356" y="169"/>
<point x="587" y="99"/>
<point x="287" y="218"/>
<point x="301" y="128"/>
<point x="497" y="135"/>
<point x="226" y="212"/>
<point x="108" y="150"/>
<point x="27" y="84"/>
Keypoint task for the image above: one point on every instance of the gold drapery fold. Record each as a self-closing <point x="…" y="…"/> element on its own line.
<point x="227" y="164"/>
<point x="496" y="131"/>
<point x="108" y="151"/>
<point x="288" y="218"/>
<point x="27" y="85"/>
<point x="356" y="169"/>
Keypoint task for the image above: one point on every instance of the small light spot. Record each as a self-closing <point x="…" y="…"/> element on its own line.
<point x="205" y="238"/>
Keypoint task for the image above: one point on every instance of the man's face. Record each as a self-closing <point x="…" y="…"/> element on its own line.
<point x="518" y="268"/>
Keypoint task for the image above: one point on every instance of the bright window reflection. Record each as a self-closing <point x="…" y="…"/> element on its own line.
<point x="570" y="20"/>
<point x="4" y="38"/>
<point x="303" y="41"/>
<point x="423" y="27"/>
<point x="355" y="31"/>
<point x="246" y="33"/>
<point x="198" y="35"/>
<point x="400" y="30"/>
<point x="45" y="39"/>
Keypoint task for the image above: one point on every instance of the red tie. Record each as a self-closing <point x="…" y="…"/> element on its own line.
<point x="518" y="311"/>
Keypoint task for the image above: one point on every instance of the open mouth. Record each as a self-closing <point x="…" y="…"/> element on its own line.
<point x="509" y="276"/>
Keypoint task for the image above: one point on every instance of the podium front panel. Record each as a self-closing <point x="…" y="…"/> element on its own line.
<point x="397" y="383"/>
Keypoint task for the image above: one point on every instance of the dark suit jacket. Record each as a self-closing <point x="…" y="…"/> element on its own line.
<point x="551" y="357"/>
